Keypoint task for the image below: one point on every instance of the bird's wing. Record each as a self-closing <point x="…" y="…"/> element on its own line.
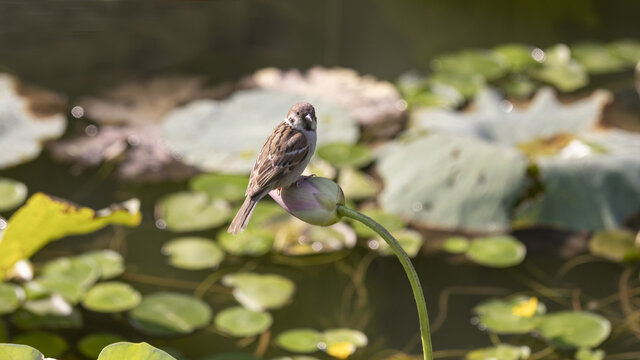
<point x="277" y="158"/>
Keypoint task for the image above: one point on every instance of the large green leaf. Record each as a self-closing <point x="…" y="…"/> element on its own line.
<point x="299" y="340"/>
<point x="166" y="313"/>
<point x="91" y="345"/>
<point x="192" y="211"/>
<point x="111" y="297"/>
<point x="260" y="291"/>
<point x="496" y="251"/>
<point x="574" y="329"/>
<point x="12" y="193"/>
<point x="19" y="352"/>
<point x="43" y="219"/>
<point x="193" y="253"/>
<point x="11" y="297"/>
<point x="127" y="350"/>
<point x="240" y="322"/>
<point x="501" y="316"/>
<point x="51" y="344"/>
<point x="500" y="352"/>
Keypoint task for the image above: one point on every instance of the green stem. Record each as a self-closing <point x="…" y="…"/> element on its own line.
<point x="408" y="268"/>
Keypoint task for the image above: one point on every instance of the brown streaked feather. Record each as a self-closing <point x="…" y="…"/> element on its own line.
<point x="276" y="158"/>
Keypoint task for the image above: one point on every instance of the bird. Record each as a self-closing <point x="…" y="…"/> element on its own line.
<point x="282" y="159"/>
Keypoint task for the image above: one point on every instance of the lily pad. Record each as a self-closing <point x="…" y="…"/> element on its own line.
<point x="500" y="352"/>
<point x="597" y="58"/>
<point x="52" y="312"/>
<point x="500" y="316"/>
<point x="299" y="238"/>
<point x="193" y="253"/>
<point x="574" y="329"/>
<point x="260" y="291"/>
<point x="43" y="219"/>
<point x="11" y="297"/>
<point x="345" y="155"/>
<point x="387" y="220"/>
<point x="91" y="345"/>
<point x="299" y="340"/>
<point x="192" y="211"/>
<point x="240" y="322"/>
<point x="355" y="337"/>
<point x="220" y="186"/>
<point x="411" y="242"/>
<point x="139" y="351"/>
<point x="27" y="120"/>
<point x="616" y="245"/>
<point x="251" y="242"/>
<point x="12" y="194"/>
<point x="517" y="56"/>
<point x="111" y="297"/>
<point x="560" y="70"/>
<point x="110" y="263"/>
<point x="497" y="251"/>
<point x="69" y="277"/>
<point x="193" y="131"/>
<point x="488" y="64"/>
<point x="51" y="344"/>
<point x="357" y="185"/>
<point x="588" y="354"/>
<point x="456" y="244"/>
<point x="471" y="184"/>
<point x="627" y="50"/>
<point x="467" y="85"/>
<point x="22" y="352"/>
<point x="166" y="313"/>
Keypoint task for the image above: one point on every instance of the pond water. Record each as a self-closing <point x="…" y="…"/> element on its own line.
<point x="84" y="47"/>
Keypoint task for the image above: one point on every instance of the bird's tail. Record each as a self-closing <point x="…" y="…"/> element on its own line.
<point x="241" y="220"/>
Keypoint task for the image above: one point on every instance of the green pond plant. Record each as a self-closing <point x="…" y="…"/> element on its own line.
<point x="320" y="201"/>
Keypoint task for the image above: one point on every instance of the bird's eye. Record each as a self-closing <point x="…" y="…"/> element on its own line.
<point x="297" y="112"/>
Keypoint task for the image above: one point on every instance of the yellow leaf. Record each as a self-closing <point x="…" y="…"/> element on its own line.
<point x="526" y="308"/>
<point x="341" y="350"/>
<point x="44" y="218"/>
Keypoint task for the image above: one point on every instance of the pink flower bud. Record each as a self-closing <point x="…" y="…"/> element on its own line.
<point x="312" y="199"/>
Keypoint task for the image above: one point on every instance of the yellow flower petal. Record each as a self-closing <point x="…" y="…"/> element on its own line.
<point x="526" y="308"/>
<point x="341" y="350"/>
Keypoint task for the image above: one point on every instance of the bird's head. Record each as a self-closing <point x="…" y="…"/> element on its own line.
<point x="302" y="116"/>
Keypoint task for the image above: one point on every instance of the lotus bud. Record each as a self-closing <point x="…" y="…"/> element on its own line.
<point x="311" y="199"/>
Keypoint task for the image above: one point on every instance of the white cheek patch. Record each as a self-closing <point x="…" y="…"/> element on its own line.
<point x="296" y="151"/>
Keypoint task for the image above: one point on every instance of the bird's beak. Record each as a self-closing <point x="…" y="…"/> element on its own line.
<point x="309" y="118"/>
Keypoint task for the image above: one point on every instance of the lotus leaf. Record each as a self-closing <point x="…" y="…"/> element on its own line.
<point x="496" y="251"/>
<point x="418" y="91"/>
<point x="43" y="219"/>
<point x="500" y="352"/>
<point x="345" y="155"/>
<point x="616" y="245"/>
<point x="588" y="354"/>
<point x="11" y="297"/>
<point x="24" y="125"/>
<point x="192" y="211"/>
<point x="139" y="351"/>
<point x="240" y="322"/>
<point x="298" y="238"/>
<point x="69" y="277"/>
<point x="357" y="185"/>
<point x="456" y="244"/>
<point x="12" y="193"/>
<point x="166" y="313"/>
<point x="574" y="329"/>
<point x="91" y="345"/>
<point x="21" y="352"/>
<point x="248" y="117"/>
<point x="597" y="58"/>
<point x="517" y="56"/>
<point x="467" y="85"/>
<point x="299" y="340"/>
<point x="220" y="186"/>
<point x="498" y="316"/>
<point x="111" y="296"/>
<point x="389" y="221"/>
<point x="251" y="242"/>
<point x="51" y="344"/>
<point x="110" y="262"/>
<point x="410" y="241"/>
<point x="355" y="337"/>
<point x="260" y="291"/>
<point x="627" y="50"/>
<point x="193" y="253"/>
<point x="471" y="184"/>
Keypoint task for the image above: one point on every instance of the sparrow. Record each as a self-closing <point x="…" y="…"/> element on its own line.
<point x="281" y="161"/>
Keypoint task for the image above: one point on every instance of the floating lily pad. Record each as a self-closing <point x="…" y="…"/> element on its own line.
<point x="488" y="64"/>
<point x="345" y="155"/>
<point x="192" y="211"/>
<point x="91" y="345"/>
<point x="251" y="242"/>
<point x="12" y="194"/>
<point x="500" y="352"/>
<point x="574" y="329"/>
<point x="298" y="238"/>
<point x="11" y="297"/>
<point x="560" y="70"/>
<point x="355" y="337"/>
<point x="111" y="296"/>
<point x="193" y="131"/>
<point x="127" y="350"/>
<point x="597" y="58"/>
<point x="24" y="125"/>
<point x="51" y="344"/>
<point x="110" y="263"/>
<point x="21" y="352"/>
<point x="388" y="221"/>
<point x="627" y="50"/>
<point x="260" y="291"/>
<point x="240" y="322"/>
<point x="166" y="313"/>
<point x="499" y="316"/>
<point x="616" y="245"/>
<point x="456" y="244"/>
<point x="517" y="56"/>
<point x="497" y="251"/>
<point x="220" y="186"/>
<point x="357" y="185"/>
<point x="467" y="85"/>
<point x="69" y="277"/>
<point x="299" y="340"/>
<point x="193" y="253"/>
<point x="411" y="242"/>
<point x="588" y="354"/>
